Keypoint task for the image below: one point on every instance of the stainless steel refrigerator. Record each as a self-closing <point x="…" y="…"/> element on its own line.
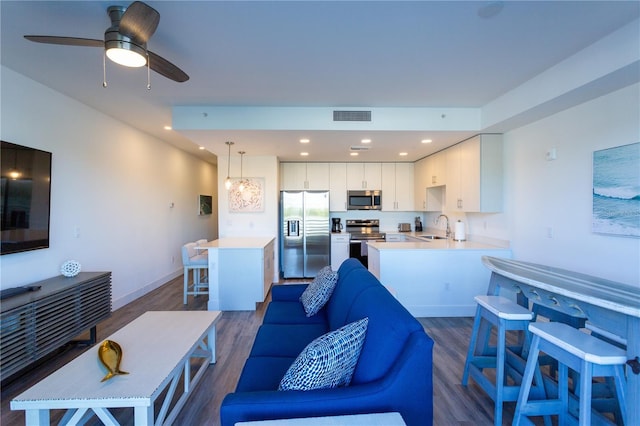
<point x="305" y="238"/>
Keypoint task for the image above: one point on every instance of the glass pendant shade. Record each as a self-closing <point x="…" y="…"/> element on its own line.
<point x="227" y="182"/>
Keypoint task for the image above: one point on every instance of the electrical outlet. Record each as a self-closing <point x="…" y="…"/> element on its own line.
<point x="549" y="232"/>
<point x="551" y="154"/>
<point x="173" y="259"/>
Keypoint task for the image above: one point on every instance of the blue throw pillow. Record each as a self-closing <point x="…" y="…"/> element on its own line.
<point x="319" y="291"/>
<point x="328" y="361"/>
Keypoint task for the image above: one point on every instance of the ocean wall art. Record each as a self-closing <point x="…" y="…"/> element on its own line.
<point x="616" y="191"/>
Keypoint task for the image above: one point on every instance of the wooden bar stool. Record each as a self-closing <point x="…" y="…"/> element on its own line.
<point x="506" y="315"/>
<point x="585" y="354"/>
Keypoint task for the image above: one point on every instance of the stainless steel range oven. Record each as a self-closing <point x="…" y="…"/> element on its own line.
<point x="363" y="231"/>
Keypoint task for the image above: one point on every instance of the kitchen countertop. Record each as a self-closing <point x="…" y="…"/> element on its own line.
<point x="238" y="242"/>
<point x="438" y="244"/>
<point x="434" y="245"/>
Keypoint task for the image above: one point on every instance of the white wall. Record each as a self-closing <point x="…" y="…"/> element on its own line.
<point x="543" y="196"/>
<point x="112" y="183"/>
<point x="251" y="224"/>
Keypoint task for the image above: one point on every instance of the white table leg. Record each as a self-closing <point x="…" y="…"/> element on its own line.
<point x="37" y="417"/>
<point x="211" y="343"/>
<point x="143" y="416"/>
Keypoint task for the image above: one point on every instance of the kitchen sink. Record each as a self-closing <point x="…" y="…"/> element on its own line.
<point x="432" y="237"/>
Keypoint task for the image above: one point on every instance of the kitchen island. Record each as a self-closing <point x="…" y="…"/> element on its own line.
<point x="437" y="278"/>
<point x="240" y="272"/>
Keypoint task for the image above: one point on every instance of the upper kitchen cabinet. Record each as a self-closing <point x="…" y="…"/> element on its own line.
<point x="420" y="177"/>
<point x="338" y="187"/>
<point x="397" y="186"/>
<point x="436" y="169"/>
<point x="474" y="175"/>
<point x="304" y="176"/>
<point x="364" y="176"/>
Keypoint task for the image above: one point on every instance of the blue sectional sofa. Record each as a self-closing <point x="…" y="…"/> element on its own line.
<point x="393" y="373"/>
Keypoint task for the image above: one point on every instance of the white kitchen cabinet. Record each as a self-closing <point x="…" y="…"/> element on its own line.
<point x="304" y="176"/>
<point x="436" y="169"/>
<point x="338" y="187"/>
<point x="474" y="175"/>
<point x="397" y="187"/>
<point x="339" y="249"/>
<point x="420" y="177"/>
<point x="364" y="176"/>
<point x="318" y="176"/>
<point x="292" y="176"/>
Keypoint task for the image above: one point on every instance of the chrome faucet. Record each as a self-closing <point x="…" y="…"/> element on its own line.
<point x="448" y="229"/>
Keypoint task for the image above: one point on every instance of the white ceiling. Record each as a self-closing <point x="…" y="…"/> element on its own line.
<point x="338" y="54"/>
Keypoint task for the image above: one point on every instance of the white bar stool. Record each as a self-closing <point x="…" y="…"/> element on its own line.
<point x="192" y="261"/>
<point x="505" y="315"/>
<point x="585" y="354"/>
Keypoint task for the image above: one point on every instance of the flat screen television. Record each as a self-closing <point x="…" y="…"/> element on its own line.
<point x="25" y="186"/>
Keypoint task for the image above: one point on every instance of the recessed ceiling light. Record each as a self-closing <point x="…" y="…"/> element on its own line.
<point x="353" y="154"/>
<point x="366" y="141"/>
<point x="304" y="154"/>
<point x="426" y="141"/>
<point x="202" y="148"/>
<point x="167" y="127"/>
<point x="304" y="140"/>
<point x="403" y="154"/>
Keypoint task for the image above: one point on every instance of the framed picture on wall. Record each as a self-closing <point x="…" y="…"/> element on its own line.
<point x="616" y="191"/>
<point x="205" y="203"/>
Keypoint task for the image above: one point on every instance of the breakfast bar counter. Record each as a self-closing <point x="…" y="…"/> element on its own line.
<point x="611" y="306"/>
<point x="241" y="271"/>
<point x="436" y="278"/>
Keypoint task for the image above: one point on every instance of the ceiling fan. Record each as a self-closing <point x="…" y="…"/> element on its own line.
<point x="125" y="41"/>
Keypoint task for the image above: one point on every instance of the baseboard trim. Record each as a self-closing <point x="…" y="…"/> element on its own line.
<point x="125" y="300"/>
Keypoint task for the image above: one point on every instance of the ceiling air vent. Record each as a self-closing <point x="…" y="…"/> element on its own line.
<point x="351" y="115"/>
<point x="359" y="148"/>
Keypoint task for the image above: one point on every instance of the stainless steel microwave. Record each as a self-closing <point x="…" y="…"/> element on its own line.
<point x="364" y="200"/>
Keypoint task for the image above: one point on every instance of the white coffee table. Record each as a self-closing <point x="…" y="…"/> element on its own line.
<point x="157" y="351"/>
<point x="377" y="419"/>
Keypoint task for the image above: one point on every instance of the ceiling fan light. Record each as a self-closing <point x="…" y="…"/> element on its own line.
<point x="126" y="53"/>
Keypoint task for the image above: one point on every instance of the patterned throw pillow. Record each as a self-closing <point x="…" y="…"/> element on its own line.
<point x="319" y="291"/>
<point x="328" y="361"/>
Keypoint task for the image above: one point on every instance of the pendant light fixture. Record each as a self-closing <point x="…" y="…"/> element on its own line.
<point x="241" y="186"/>
<point x="227" y="182"/>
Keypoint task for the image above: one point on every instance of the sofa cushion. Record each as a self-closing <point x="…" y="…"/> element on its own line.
<point x="319" y="291"/>
<point x="286" y="340"/>
<point x="328" y="361"/>
<point x="263" y="373"/>
<point x="353" y="281"/>
<point x="282" y="312"/>
<point x="288" y="292"/>
<point x="390" y="326"/>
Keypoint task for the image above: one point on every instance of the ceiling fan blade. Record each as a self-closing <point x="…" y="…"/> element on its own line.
<point x="139" y="22"/>
<point x="66" y="41"/>
<point x="166" y="68"/>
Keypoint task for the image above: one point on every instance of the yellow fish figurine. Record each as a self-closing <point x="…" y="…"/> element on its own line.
<point x="110" y="355"/>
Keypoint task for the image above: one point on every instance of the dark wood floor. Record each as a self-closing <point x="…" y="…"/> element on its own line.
<point x="453" y="404"/>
